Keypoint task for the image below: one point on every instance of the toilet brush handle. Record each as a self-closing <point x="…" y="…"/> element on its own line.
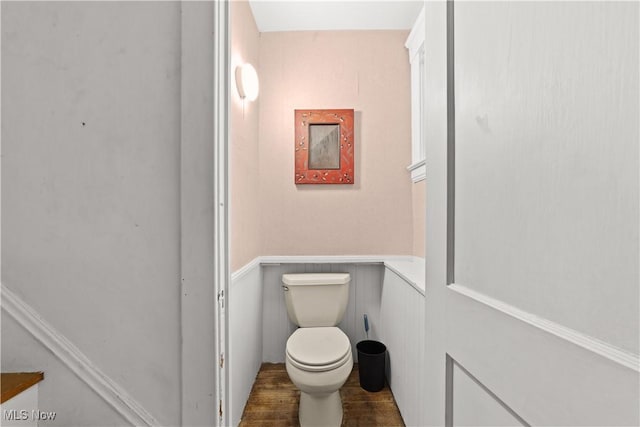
<point x="366" y="325"/>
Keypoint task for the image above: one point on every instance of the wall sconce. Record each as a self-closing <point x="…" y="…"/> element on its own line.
<point x="247" y="82"/>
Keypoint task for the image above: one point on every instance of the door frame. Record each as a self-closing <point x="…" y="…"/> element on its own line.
<point x="204" y="244"/>
<point x="222" y="72"/>
<point x="204" y="269"/>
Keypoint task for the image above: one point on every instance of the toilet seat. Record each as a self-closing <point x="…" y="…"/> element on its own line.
<point x="318" y="349"/>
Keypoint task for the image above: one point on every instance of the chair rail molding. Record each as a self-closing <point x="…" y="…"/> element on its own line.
<point x="75" y="360"/>
<point x="245" y="269"/>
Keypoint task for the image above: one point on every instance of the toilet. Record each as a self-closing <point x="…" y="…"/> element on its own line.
<point x="318" y="353"/>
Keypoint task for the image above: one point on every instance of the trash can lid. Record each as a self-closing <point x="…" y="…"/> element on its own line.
<point x="318" y="346"/>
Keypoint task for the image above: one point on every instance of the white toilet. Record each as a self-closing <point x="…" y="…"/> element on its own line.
<point x="318" y="357"/>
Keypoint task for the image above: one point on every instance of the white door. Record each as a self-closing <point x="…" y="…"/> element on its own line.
<point x="532" y="297"/>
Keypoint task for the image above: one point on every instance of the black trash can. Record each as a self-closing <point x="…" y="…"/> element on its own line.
<point x="371" y="360"/>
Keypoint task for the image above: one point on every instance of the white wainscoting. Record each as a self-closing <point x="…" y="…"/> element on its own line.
<point x="259" y="326"/>
<point x="402" y="331"/>
<point x="245" y="336"/>
<point x="365" y="292"/>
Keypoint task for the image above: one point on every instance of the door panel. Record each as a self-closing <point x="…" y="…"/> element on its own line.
<point x="546" y="161"/>
<point x="481" y="407"/>
<point x="532" y="291"/>
<point x="543" y="377"/>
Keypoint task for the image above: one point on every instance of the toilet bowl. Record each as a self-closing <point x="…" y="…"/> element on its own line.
<point x="318" y="354"/>
<point x="319" y="361"/>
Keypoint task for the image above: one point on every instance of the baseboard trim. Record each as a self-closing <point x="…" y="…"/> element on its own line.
<point x="614" y="354"/>
<point x="75" y="360"/>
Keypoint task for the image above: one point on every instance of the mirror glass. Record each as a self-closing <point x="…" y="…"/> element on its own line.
<point x="324" y="146"/>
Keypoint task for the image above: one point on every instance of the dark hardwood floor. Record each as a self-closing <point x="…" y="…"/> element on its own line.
<point x="274" y="402"/>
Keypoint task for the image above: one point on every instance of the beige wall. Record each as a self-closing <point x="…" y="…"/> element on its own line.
<point x="245" y="199"/>
<point x="364" y="70"/>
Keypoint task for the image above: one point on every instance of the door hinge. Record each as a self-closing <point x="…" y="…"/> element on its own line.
<point x="220" y="409"/>
<point x="221" y="360"/>
<point x="221" y="298"/>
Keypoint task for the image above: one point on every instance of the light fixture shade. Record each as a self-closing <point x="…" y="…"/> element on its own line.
<point x="247" y="82"/>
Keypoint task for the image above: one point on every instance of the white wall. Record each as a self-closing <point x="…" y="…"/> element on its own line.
<point x="245" y="336"/>
<point x="22" y="352"/>
<point x="93" y="110"/>
<point x="402" y="331"/>
<point x="418" y="206"/>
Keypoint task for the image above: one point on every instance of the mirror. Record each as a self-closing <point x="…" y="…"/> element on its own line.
<point x="324" y="146"/>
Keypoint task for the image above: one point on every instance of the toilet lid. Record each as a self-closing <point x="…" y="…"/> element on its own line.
<point x="318" y="347"/>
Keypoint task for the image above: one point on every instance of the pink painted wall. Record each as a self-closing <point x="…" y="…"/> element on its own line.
<point x="245" y="200"/>
<point x="364" y="70"/>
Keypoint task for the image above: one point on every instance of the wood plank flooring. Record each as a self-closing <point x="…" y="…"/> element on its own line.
<point x="273" y="402"/>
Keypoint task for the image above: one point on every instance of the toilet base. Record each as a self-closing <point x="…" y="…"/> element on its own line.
<point x="320" y="410"/>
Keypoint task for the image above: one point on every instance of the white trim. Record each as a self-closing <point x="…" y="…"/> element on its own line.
<point x="415" y="44"/>
<point x="415" y="40"/>
<point x="405" y="278"/>
<point x="221" y="268"/>
<point x="75" y="360"/>
<point x="418" y="170"/>
<point x="416" y="165"/>
<point x="245" y="269"/>
<point x="330" y="259"/>
<point x="409" y="268"/>
<point x="198" y="379"/>
<point x="617" y="355"/>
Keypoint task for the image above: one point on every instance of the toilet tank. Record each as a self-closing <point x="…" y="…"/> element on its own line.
<point x="316" y="299"/>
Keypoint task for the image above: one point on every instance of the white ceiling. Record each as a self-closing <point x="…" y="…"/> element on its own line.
<point x="314" y="15"/>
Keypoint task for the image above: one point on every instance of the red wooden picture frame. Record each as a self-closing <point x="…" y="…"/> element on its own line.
<point x="324" y="147"/>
